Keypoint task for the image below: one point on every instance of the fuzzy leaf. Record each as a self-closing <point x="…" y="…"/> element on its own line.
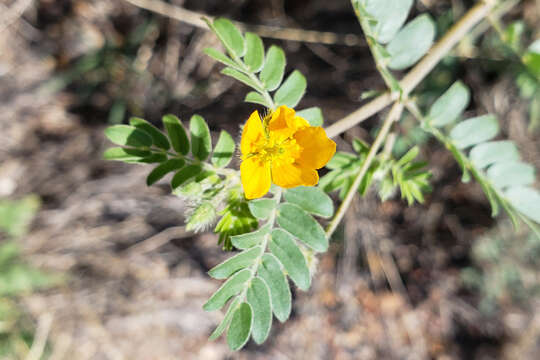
<point x="273" y="69"/>
<point x="243" y="78"/>
<point x="126" y="135"/>
<point x="285" y="249"/>
<point x="450" y="105"/>
<point x="526" y="200"/>
<point x="184" y="175"/>
<point x="313" y="115"/>
<point x="224" y="150"/>
<point x="245" y="241"/>
<point x="511" y="173"/>
<point x="256" y="98"/>
<point x="292" y="90"/>
<point x="226" y="320"/>
<point x="221" y="57"/>
<point x="411" y="42"/>
<point x="254" y="57"/>
<point x="201" y="142"/>
<point x="163" y="169"/>
<point x="311" y="199"/>
<point x="485" y="154"/>
<point x="177" y="133"/>
<point x="280" y="293"/>
<point x="389" y="15"/>
<point x="235" y="263"/>
<point x="125" y="154"/>
<point x="262" y="208"/>
<point x="240" y="327"/>
<point x="231" y="287"/>
<point x="158" y="138"/>
<point x="230" y="36"/>
<point x="299" y="223"/>
<point x="258" y="296"/>
<point x="473" y="131"/>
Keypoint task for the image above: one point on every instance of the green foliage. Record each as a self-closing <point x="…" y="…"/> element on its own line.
<point x="17" y="278"/>
<point x="258" y="274"/>
<point x="504" y="264"/>
<point x="247" y="63"/>
<point x="494" y="164"/>
<point x="411" y="178"/>
<point x="405" y="174"/>
<point x="15" y="216"/>
<point x="411" y="42"/>
<point x="382" y="23"/>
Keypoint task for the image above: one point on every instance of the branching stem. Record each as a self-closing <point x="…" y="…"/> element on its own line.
<point x="419" y="72"/>
<point x="393" y="115"/>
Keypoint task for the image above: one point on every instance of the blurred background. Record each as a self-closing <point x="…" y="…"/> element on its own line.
<point x="95" y="265"/>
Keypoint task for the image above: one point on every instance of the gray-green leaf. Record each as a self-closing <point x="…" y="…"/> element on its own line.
<point x="311" y="199"/>
<point x="235" y="263"/>
<point x="226" y="320"/>
<point x="274" y="67"/>
<point x="292" y="90"/>
<point x="158" y="138"/>
<point x="258" y="296"/>
<point x="313" y="115"/>
<point x="240" y="327"/>
<point x="526" y="200"/>
<point x="243" y="78"/>
<point x="221" y="57"/>
<point x="245" y="241"/>
<point x="201" y="142"/>
<point x="511" y="173"/>
<point x="177" y="133"/>
<point x="163" y="169"/>
<point x="254" y="57"/>
<point x="487" y="153"/>
<point x="125" y="154"/>
<point x="224" y="150"/>
<point x="128" y="136"/>
<point x="231" y="287"/>
<point x="230" y="36"/>
<point x="299" y="223"/>
<point x="474" y="131"/>
<point x="270" y="271"/>
<point x="262" y="208"/>
<point x="450" y="105"/>
<point x="285" y="249"/>
<point x="390" y="16"/>
<point x="256" y="98"/>
<point x="184" y="175"/>
<point x="411" y="42"/>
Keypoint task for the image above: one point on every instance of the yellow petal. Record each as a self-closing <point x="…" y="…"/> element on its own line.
<point x="292" y="175"/>
<point x="285" y="123"/>
<point x="252" y="133"/>
<point x="317" y="148"/>
<point x="255" y="176"/>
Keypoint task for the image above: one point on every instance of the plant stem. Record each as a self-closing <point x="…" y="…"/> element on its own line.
<point x="264" y="244"/>
<point x="393" y="115"/>
<point x="419" y="72"/>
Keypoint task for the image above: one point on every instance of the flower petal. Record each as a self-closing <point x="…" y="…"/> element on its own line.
<point x="285" y="123"/>
<point x="252" y="133"/>
<point x="292" y="175"/>
<point x="255" y="176"/>
<point x="317" y="148"/>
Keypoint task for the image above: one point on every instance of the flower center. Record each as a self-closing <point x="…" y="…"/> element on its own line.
<point x="276" y="151"/>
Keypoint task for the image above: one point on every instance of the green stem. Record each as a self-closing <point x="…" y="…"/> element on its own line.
<point x="393" y="115"/>
<point x="264" y="244"/>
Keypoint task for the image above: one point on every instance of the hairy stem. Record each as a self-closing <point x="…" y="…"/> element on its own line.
<point x="419" y="72"/>
<point x="393" y="115"/>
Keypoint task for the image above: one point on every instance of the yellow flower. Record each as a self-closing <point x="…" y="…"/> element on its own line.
<point x="284" y="149"/>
